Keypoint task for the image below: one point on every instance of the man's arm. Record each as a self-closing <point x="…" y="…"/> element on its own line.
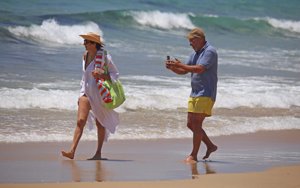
<point x="176" y="70"/>
<point x="180" y="68"/>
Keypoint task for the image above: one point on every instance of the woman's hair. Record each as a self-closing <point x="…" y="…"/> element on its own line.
<point x="98" y="46"/>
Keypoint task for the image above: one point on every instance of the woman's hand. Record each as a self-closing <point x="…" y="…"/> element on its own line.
<point x="98" y="73"/>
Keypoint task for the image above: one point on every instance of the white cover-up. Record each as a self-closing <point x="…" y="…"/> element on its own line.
<point x="108" y="118"/>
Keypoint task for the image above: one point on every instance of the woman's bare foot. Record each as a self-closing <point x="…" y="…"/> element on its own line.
<point x="209" y="151"/>
<point x="96" y="157"/>
<point x="69" y="155"/>
<point x="191" y="159"/>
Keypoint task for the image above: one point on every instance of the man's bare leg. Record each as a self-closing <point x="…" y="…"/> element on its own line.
<point x="211" y="147"/>
<point x="209" y="151"/>
<point x="82" y="115"/>
<point x="195" y="121"/>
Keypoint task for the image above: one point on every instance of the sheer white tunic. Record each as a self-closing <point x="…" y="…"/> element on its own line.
<point x="108" y="118"/>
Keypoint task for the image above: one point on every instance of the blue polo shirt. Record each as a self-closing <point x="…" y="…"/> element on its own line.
<point x="204" y="84"/>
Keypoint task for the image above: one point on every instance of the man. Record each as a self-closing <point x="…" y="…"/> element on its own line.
<point x="202" y="65"/>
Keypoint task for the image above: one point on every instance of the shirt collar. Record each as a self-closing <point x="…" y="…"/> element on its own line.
<point x="203" y="48"/>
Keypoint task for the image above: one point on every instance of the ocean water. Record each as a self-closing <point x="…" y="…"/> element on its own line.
<point x="258" y="43"/>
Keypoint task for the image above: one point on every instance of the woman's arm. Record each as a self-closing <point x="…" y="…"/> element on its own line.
<point x="112" y="71"/>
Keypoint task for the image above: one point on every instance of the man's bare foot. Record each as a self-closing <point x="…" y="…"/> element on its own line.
<point x="191" y="159"/>
<point x="69" y="155"/>
<point x="209" y="151"/>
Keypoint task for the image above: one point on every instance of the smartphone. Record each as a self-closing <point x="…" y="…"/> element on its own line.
<point x="168" y="58"/>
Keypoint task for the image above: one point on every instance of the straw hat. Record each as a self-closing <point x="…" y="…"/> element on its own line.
<point x="196" y="33"/>
<point x="93" y="37"/>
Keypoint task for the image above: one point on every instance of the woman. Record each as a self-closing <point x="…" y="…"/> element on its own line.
<point x="90" y="98"/>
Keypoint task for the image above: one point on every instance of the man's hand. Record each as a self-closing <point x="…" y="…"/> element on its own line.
<point x="172" y="63"/>
<point x="168" y="64"/>
<point x="177" y="63"/>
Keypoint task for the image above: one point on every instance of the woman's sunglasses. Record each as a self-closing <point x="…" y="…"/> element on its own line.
<point x="87" y="42"/>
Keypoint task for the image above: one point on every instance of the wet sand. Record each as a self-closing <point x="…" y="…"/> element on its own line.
<point x="242" y="158"/>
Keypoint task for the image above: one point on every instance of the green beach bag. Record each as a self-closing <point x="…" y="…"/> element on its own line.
<point x="114" y="87"/>
<point x="117" y="94"/>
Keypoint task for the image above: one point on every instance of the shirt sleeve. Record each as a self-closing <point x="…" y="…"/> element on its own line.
<point x="112" y="69"/>
<point x="190" y="60"/>
<point x="209" y="58"/>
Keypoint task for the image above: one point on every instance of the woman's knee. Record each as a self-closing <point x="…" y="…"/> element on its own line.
<point x="81" y="123"/>
<point x="99" y="126"/>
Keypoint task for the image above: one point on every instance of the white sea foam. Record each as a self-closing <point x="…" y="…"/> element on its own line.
<point x="38" y="98"/>
<point x="50" y="31"/>
<point x="215" y="126"/>
<point x="147" y="94"/>
<point x="257" y="92"/>
<point x="282" y="60"/>
<point x="290" y="25"/>
<point x="163" y="20"/>
<point x="162" y="93"/>
<point x="172" y="93"/>
<point x="240" y="125"/>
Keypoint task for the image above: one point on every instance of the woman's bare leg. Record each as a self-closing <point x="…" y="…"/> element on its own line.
<point x="101" y="137"/>
<point x="82" y="115"/>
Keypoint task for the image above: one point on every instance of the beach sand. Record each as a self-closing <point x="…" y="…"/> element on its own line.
<point x="263" y="159"/>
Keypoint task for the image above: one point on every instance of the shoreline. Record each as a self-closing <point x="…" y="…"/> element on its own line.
<point x="50" y="125"/>
<point x="148" y="161"/>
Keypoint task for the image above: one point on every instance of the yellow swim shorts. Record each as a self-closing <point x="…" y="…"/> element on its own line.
<point x="200" y="105"/>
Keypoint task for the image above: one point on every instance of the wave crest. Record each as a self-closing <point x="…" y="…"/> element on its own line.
<point x="163" y="20"/>
<point x="51" y="31"/>
<point x="293" y="26"/>
<point x="38" y="98"/>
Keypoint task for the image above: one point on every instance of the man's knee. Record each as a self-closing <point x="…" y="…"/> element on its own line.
<point x="195" y="128"/>
<point x="190" y="126"/>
